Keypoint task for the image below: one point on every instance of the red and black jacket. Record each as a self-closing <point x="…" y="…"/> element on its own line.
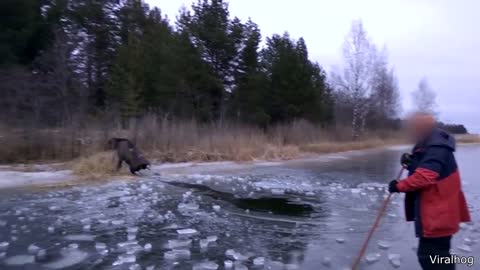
<point x="434" y="197"/>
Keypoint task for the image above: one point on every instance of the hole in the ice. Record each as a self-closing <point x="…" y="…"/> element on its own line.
<point x="274" y="205"/>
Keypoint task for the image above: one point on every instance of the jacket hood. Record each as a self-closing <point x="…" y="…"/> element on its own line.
<point x="441" y="138"/>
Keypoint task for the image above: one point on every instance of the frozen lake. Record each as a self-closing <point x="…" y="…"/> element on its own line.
<point x="310" y="214"/>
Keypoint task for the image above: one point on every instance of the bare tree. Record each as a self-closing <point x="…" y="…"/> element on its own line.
<point x="354" y="82"/>
<point x="424" y="97"/>
<point x="385" y="97"/>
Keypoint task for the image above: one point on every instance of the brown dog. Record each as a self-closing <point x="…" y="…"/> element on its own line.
<point x="126" y="151"/>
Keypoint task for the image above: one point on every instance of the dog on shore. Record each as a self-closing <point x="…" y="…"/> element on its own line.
<point x="128" y="153"/>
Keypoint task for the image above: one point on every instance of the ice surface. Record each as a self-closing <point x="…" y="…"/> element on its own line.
<point x="372" y="257"/>
<point x="259" y="261"/>
<point x="4" y="246"/>
<point x="232" y="254"/>
<point x="177" y="253"/>
<point x="187" y="231"/>
<point x="383" y="245"/>
<point x="80" y="237"/>
<point x="465" y="248"/>
<point x="33" y="249"/>
<point x="3" y="223"/>
<point x="395" y="260"/>
<point x="179" y="243"/>
<point x="205" y="266"/>
<point x="228" y="264"/>
<point x="20" y="260"/>
<point x="3" y="255"/>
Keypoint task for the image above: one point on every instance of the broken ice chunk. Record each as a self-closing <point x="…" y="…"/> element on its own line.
<point x="100" y="246"/>
<point x="239" y="266"/>
<point x="147" y="247"/>
<point x="20" y="260"/>
<point x="51" y="229"/>
<point x="41" y="255"/>
<point x="177" y="253"/>
<point x="216" y="208"/>
<point x="235" y="255"/>
<point x="33" y="249"/>
<point x="54" y="208"/>
<point x="127" y="258"/>
<point x="372" y="257"/>
<point x="3" y="223"/>
<point x="465" y="248"/>
<point x="87" y="227"/>
<point x="340" y="240"/>
<point x="132" y="230"/>
<point x="383" y="245"/>
<point x="179" y="243"/>
<point x="135" y="267"/>
<point x="188" y="206"/>
<point x="355" y="190"/>
<point x="205" y="266"/>
<point x="327" y="261"/>
<point x="187" y="231"/>
<point x="395" y="260"/>
<point x="277" y="191"/>
<point x="80" y="237"/>
<point x="4" y="246"/>
<point x="259" y="261"/>
<point x="228" y="264"/>
<point x="118" y="222"/>
<point x="212" y="238"/>
<point x="3" y="255"/>
<point x="203" y="243"/>
<point x="469" y="241"/>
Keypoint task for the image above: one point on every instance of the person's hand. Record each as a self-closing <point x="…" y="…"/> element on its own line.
<point x="406" y="160"/>
<point x="392" y="186"/>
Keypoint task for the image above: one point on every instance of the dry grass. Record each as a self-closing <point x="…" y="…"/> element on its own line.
<point x="97" y="166"/>
<point x="164" y="140"/>
<point x="468" y="138"/>
<point x="334" y="147"/>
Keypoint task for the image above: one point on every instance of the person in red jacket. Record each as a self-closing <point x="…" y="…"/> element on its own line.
<point x="434" y="198"/>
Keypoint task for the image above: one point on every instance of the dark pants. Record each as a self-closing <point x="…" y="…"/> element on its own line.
<point x="428" y="248"/>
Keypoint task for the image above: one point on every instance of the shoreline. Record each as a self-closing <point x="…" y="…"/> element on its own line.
<point x="56" y="175"/>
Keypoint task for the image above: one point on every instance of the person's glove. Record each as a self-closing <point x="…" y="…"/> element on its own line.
<point x="392" y="186"/>
<point x="406" y="160"/>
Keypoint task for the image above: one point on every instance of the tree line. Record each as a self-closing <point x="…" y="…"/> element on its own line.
<point x="64" y="62"/>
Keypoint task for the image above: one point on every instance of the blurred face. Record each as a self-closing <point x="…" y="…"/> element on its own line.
<point x="419" y="126"/>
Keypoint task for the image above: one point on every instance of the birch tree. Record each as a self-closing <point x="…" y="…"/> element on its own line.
<point x="354" y="81"/>
<point x="424" y="97"/>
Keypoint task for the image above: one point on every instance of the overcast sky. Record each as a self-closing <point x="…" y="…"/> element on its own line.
<point x="439" y="39"/>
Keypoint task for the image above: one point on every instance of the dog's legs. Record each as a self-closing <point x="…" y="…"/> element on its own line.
<point x="119" y="164"/>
